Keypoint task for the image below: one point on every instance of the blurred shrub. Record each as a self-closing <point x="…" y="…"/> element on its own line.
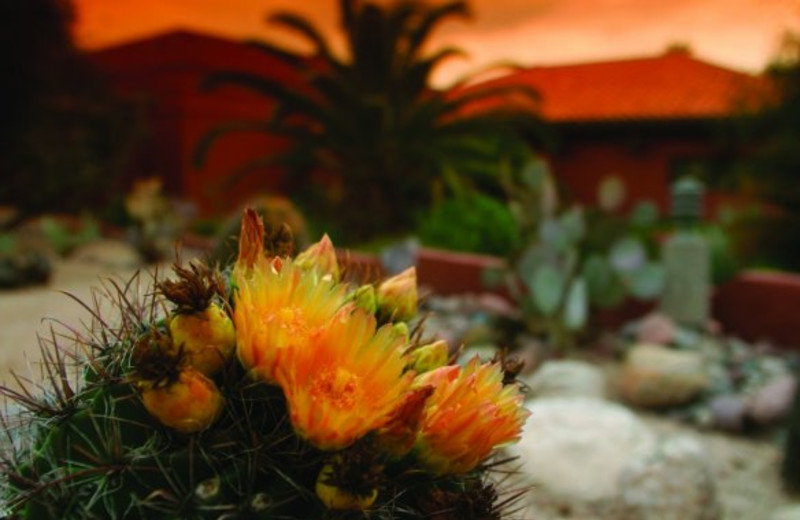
<point x="64" y="237"/>
<point x="21" y="266"/>
<point x="65" y="137"/>
<point x="275" y="210"/>
<point x="470" y="222"/>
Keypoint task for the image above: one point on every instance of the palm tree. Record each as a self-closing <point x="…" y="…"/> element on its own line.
<point x="371" y="119"/>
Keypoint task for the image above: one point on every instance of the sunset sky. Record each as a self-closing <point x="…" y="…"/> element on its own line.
<point x="742" y="34"/>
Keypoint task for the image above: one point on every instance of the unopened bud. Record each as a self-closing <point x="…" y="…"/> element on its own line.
<point x="397" y="296"/>
<point x="321" y="256"/>
<point x="430" y="357"/>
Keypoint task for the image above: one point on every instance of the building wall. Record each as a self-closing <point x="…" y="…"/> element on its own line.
<point x="647" y="165"/>
<point x="165" y="76"/>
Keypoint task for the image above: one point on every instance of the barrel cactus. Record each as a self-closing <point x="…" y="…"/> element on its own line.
<point x="270" y="389"/>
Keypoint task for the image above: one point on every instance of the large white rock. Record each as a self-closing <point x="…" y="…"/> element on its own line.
<point x="567" y="379"/>
<point x="787" y="513"/>
<point x="674" y="482"/>
<point x="573" y="450"/>
<point x="589" y="459"/>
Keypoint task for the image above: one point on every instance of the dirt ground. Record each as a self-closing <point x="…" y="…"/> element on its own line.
<point x="747" y="469"/>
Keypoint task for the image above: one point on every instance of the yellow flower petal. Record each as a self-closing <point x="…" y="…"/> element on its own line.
<point x="469" y="414"/>
<point x="278" y="308"/>
<point x="346" y="382"/>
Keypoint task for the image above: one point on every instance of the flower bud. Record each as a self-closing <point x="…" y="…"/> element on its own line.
<point x="397" y="296"/>
<point x="207" y="339"/>
<point x="430" y="357"/>
<point x="364" y="298"/>
<point x="401" y="329"/>
<point x="335" y="497"/>
<point x="320" y="256"/>
<point x="189" y="405"/>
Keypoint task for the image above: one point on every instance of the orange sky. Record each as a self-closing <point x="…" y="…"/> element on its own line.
<point x="742" y="34"/>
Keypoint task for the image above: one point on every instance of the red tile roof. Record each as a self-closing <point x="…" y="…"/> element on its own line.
<point x="674" y="85"/>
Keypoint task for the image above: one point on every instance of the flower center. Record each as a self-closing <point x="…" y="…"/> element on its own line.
<point x="338" y="386"/>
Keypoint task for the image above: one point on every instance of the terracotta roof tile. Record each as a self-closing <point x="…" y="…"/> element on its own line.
<point x="674" y="85"/>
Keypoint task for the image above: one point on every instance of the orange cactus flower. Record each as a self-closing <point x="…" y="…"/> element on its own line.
<point x="188" y="405"/>
<point x="469" y="414"/>
<point x="346" y="383"/>
<point x="279" y="306"/>
<point x="321" y="256"/>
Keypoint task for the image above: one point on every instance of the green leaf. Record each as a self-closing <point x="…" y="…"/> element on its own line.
<point x="604" y="287"/>
<point x="553" y="234"/>
<point x="547" y="287"/>
<point x="577" y="305"/>
<point x="627" y="255"/>
<point x="647" y="282"/>
<point x="534" y="256"/>
<point x="534" y="174"/>
<point x="644" y="215"/>
<point x="573" y="224"/>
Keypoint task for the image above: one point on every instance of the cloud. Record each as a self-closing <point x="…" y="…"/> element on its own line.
<point x="739" y="33"/>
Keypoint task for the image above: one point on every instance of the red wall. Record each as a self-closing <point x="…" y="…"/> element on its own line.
<point x="165" y="74"/>
<point x="644" y="169"/>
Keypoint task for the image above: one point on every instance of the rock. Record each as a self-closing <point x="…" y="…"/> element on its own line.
<point x="497" y="306"/>
<point x="787" y="513"/>
<point x="656" y="376"/>
<point x="656" y="328"/>
<point x="674" y="482"/>
<point x="567" y="379"/>
<point x="773" y="401"/>
<point x="108" y="253"/>
<point x="400" y="256"/>
<point x="443" y="304"/>
<point x="728" y="412"/>
<point x="573" y="450"/>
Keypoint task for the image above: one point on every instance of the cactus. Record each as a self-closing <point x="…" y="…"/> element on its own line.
<point x="574" y="259"/>
<point x="125" y="426"/>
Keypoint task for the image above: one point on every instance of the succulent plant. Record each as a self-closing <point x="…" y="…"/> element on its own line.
<point x="319" y="414"/>
<point x="572" y="259"/>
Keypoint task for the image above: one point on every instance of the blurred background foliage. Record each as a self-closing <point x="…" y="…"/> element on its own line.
<point x="65" y="137"/>
<point x="371" y="119"/>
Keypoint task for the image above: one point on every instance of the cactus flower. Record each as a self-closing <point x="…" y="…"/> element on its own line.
<point x="207" y="338"/>
<point x="346" y="382"/>
<point x="336" y="498"/>
<point x="322" y="256"/>
<point x="429" y="357"/>
<point x="469" y="414"/>
<point x="188" y="405"/>
<point x="280" y="308"/>
<point x="397" y="296"/>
